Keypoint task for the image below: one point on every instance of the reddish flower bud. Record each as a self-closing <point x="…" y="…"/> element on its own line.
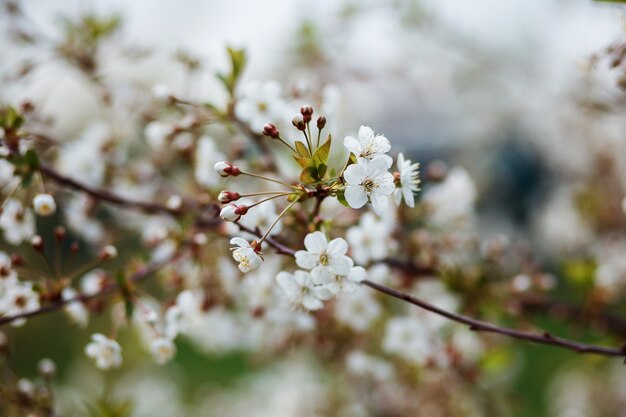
<point x="298" y="122"/>
<point x="228" y="196"/>
<point x="307" y="113"/>
<point x="271" y="131"/>
<point x="226" y="169"/>
<point x="321" y="122"/>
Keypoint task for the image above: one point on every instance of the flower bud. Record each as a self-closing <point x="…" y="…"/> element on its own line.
<point x="271" y="131"/>
<point x="37" y="243"/>
<point x="298" y="122"/>
<point x="108" y="252"/>
<point x="226" y="169"/>
<point x="233" y="212"/>
<point x="174" y="202"/>
<point x="228" y="196"/>
<point x="321" y="122"/>
<point x="47" y="368"/>
<point x="307" y="113"/>
<point x="44" y="204"/>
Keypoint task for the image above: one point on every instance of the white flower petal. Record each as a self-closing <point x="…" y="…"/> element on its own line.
<point x="355" y="196"/>
<point x="307" y="260"/>
<point x="315" y="242"/>
<point x="354" y="174"/>
<point x="337" y="247"/>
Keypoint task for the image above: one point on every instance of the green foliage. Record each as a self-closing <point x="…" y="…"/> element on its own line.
<point x="91" y="29"/>
<point x="237" y="65"/>
<point x="580" y="272"/>
<point x="126" y="293"/>
<point x="25" y="165"/>
<point x="10" y="119"/>
<point x="314" y="167"/>
<point x="109" y="407"/>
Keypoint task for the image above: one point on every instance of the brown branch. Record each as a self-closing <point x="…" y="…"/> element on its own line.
<point x="104" y="195"/>
<point x="482" y="326"/>
<point x="575" y="314"/>
<point x="543" y="338"/>
<point x="474" y="324"/>
<point x="140" y="275"/>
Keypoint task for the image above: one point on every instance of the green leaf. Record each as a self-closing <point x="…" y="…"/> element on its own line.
<point x="309" y="175"/>
<point x="129" y="307"/>
<point x="321" y="170"/>
<point x="302" y="150"/>
<point x="303" y="162"/>
<point x="237" y="61"/>
<point x="320" y="157"/>
<point x="342" y="198"/>
<point x="237" y="65"/>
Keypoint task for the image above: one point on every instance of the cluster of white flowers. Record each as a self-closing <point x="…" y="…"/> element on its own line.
<point x="329" y="272"/>
<point x="369" y="179"/>
<point x="16" y="296"/>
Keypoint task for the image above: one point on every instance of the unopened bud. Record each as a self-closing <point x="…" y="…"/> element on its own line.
<point x="108" y="252"/>
<point x="44" y="204"/>
<point x="47" y="368"/>
<point x="175" y="202"/>
<point x="271" y="130"/>
<point x="307" y="113"/>
<point x="60" y="233"/>
<point x="298" y="122"/>
<point x="228" y="196"/>
<point x="321" y="122"/>
<point x="37" y="243"/>
<point x="74" y="247"/>
<point x="226" y="169"/>
<point x="233" y="212"/>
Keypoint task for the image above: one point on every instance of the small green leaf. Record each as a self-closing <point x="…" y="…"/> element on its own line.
<point x="125" y="292"/>
<point x="302" y="150"/>
<point x="342" y="198"/>
<point x="303" y="162"/>
<point x="309" y="175"/>
<point x="321" y="170"/>
<point x="322" y="153"/>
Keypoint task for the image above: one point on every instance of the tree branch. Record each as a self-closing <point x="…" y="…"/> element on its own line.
<point x="140" y="275"/>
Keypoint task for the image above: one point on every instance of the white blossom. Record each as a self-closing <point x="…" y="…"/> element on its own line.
<point x="156" y="133"/>
<point x="369" y="180"/>
<point x="451" y="203"/>
<point x="358" y="311"/>
<point x="75" y="310"/>
<point x="17" y="222"/>
<point x="370" y="239"/>
<point x="261" y="103"/>
<point x="340" y="283"/>
<point x="301" y="291"/>
<point x="19" y="298"/>
<point x="8" y="276"/>
<point x="247" y="256"/>
<point x="44" y="204"/>
<point x="369" y="146"/>
<point x="324" y="258"/>
<point x="410" y="339"/>
<point x="409" y="181"/>
<point x="105" y="352"/>
<point x="162" y="349"/>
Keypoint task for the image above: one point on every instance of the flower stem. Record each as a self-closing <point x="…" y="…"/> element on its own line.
<point x="269" y="198"/>
<point x="266" y="178"/>
<point x="276" y="221"/>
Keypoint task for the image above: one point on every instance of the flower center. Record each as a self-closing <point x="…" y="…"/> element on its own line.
<point x="262" y="106"/>
<point x="368" y="184"/>
<point x="324" y="259"/>
<point x="20" y="301"/>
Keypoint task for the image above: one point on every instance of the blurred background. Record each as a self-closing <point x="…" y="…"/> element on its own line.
<point x="523" y="94"/>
